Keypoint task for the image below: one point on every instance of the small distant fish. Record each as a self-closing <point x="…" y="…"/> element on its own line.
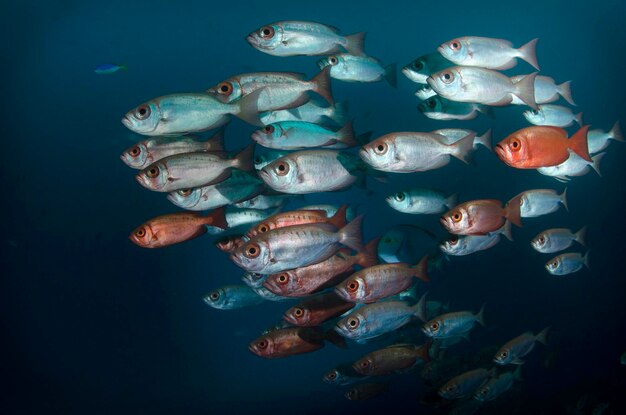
<point x="231" y="297"/>
<point x="366" y="391"/>
<point x="558" y="239"/>
<point x="421" y="201"/>
<point x="109" y="68"/>
<point x="239" y="219"/>
<point x="375" y="319"/>
<point x="457" y="324"/>
<point x="331" y="210"/>
<point x="421" y="68"/>
<point x="316" y="310"/>
<point x="293" y="38"/>
<point x="424" y="92"/>
<point x="346" y="67"/>
<point x="567" y="263"/>
<point x="482" y="86"/>
<point x="309" y="112"/>
<point x="513" y="351"/>
<point x="392" y="359"/>
<point x="497" y="385"/>
<point x="480" y="217"/>
<point x="299" y="135"/>
<point x="465" y="384"/>
<point x="264" y="201"/>
<point x="406" y="243"/>
<point x="439" y="108"/>
<point x="555" y="115"/>
<point x="343" y="374"/>
<point x="291" y="341"/>
<point x="174" y="228"/>
<point x="598" y="140"/>
<point x="535" y="147"/>
<point x="488" y="52"/>
<point x="469" y="244"/>
<point x="574" y="166"/>
<point x="539" y="202"/>
<point x="546" y="90"/>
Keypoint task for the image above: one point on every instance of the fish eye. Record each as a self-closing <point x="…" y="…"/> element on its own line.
<point x="504" y="354"/>
<point x="262" y="228"/>
<point x="485" y="391"/>
<point x="140" y="232"/>
<point x="262" y="344"/>
<point x="269" y="129"/>
<point x="434" y="326"/>
<point x="225" y="88"/>
<point x="431" y="103"/>
<point x="353" y="323"/>
<point x="214" y="296"/>
<point x="454" y="241"/>
<point x="185" y="192"/>
<point x="252" y="250"/>
<point x="142" y="112"/>
<point x="418" y="65"/>
<point x="381" y="148"/>
<point x="554" y="264"/>
<point x="258" y="160"/>
<point x="457" y="216"/>
<point x="455" y="45"/>
<point x="542" y="240"/>
<point x="152" y="172"/>
<point x="353" y="285"/>
<point x="364" y="363"/>
<point x="515" y="144"/>
<point x="400" y="196"/>
<point x="450" y="388"/>
<point x="266" y="32"/>
<point x="447" y="77"/>
<point x="298" y="312"/>
<point x="331" y="375"/>
<point x="282" y="168"/>
<point x="283" y="278"/>
<point x="534" y="112"/>
<point x="134" y="151"/>
<point x="333" y="60"/>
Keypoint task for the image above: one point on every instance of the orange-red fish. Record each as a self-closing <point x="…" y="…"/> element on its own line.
<point x="174" y="228"/>
<point x="542" y="146"/>
<point x="480" y="217"/>
<point x="316" y="310"/>
<point x="293" y="340"/>
<point x="298" y="217"/>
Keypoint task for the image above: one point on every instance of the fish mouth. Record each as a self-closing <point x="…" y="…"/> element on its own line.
<point x="252" y="40"/>
<point x="341" y="292"/>
<point x="440" y="49"/>
<point x="257" y="137"/>
<point x="142" y="181"/>
<point x="342" y="331"/>
<point x="406" y="70"/>
<point x="364" y="154"/>
<point x="290" y="319"/>
<point x="444" y="222"/>
<point x="253" y="349"/>
<point x="426" y="332"/>
<point x="127" y="122"/>
<point x="265" y="176"/>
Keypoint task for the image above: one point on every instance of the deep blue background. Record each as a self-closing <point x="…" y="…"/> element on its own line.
<point x="92" y="323"/>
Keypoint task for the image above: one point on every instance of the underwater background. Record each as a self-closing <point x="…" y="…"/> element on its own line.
<point x="94" y="324"/>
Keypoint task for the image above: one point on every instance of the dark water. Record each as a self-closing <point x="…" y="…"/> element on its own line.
<point x="94" y="324"/>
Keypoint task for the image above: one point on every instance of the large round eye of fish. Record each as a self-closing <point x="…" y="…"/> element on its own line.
<point x="381" y="148"/>
<point x="140" y="232"/>
<point x="450" y="388"/>
<point x="134" y="152"/>
<point x="534" y="112"/>
<point x="434" y="326"/>
<point x="142" y="112"/>
<point x="152" y="172"/>
<point x="504" y="354"/>
<point x="418" y="65"/>
<point x="214" y="296"/>
<point x="455" y="45"/>
<point x="266" y="32"/>
<point x="262" y="344"/>
<point x="554" y="264"/>
<point x="431" y="103"/>
<point x="453" y="241"/>
<point x="353" y="286"/>
<point x="542" y="240"/>
<point x="283" y="278"/>
<point x="399" y="196"/>
<point x="262" y="228"/>
<point x="225" y="88"/>
<point x="252" y="250"/>
<point x="185" y="192"/>
<point x="515" y="144"/>
<point x="298" y="312"/>
<point x="269" y="129"/>
<point x="447" y="77"/>
<point x="364" y="364"/>
<point x="281" y="169"/>
<point x="333" y="60"/>
<point x="484" y="391"/>
<point x="353" y="323"/>
<point x="457" y="216"/>
<point x="331" y="376"/>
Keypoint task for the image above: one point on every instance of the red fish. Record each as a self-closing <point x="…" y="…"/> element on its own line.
<point x="394" y="358"/>
<point x="298" y="217"/>
<point x="480" y="217"/>
<point x="174" y="228"/>
<point x="293" y="340"/>
<point x="542" y="146"/>
<point x="316" y="310"/>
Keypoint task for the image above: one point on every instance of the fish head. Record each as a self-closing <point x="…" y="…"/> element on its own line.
<point x="364" y="366"/>
<point x="452" y="246"/>
<point x="332" y="377"/>
<point x="263" y="227"/>
<point x="434" y="328"/>
<point x="351" y="326"/>
<point x="266" y="38"/>
<point x="432" y="104"/>
<point x="541" y="242"/>
<point x="424" y="92"/>
<point x="143" y="119"/>
<point x="253" y="256"/>
<point x="282" y="283"/>
<point x="262" y="346"/>
<point x="216" y="298"/>
<point x="280" y="174"/>
<point x="455" y="50"/>
<point x="328" y="61"/>
<point x="535" y="116"/>
<point x="298" y="315"/>
<point x="417" y="70"/>
<point x="450" y="390"/>
<point x="503" y="356"/>
<point x="554" y="266"/>
<point x="229" y="243"/>
<point x="399" y="201"/>
<point x="185" y="198"/>
<point x="144" y="236"/>
<point x="153" y="177"/>
<point x="484" y="394"/>
<point x="458" y="220"/>
<point x="513" y="150"/>
<point x="137" y="156"/>
<point x="269" y="134"/>
<point x="227" y="91"/>
<point x="380" y="153"/>
<point x="352" y="289"/>
<point x="447" y="82"/>
<point x="254" y="280"/>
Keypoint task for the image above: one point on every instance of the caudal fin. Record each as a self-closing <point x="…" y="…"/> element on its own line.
<point x="244" y="160"/>
<point x="340" y="113"/>
<point x="586" y="260"/>
<point x="563" y="197"/>
<point x="420" y="309"/>
<point x="346" y="135"/>
<point x="354" y="43"/>
<point x="462" y="149"/>
<point x="390" y="75"/>
<point x="350" y="235"/>
<point x="542" y="337"/>
<point x="512" y="209"/>
<point x="423" y="351"/>
<point x="335" y="338"/>
<point x="616" y="132"/>
<point x="321" y="85"/>
<point x="421" y="269"/>
<point x="579" y="118"/>
<point x="578" y="143"/>
<point x="480" y="317"/>
<point x="247" y="108"/>
<point x="565" y="91"/>
<point x="528" y="52"/>
<point x="596" y="162"/>
<point x="338" y="220"/>
<point x="217" y="218"/>
<point x="368" y="257"/>
<point x="484" y="140"/>
<point x="580" y="235"/>
<point x="452" y="200"/>
<point x="506" y="230"/>
<point x="525" y="90"/>
<point x="216" y="143"/>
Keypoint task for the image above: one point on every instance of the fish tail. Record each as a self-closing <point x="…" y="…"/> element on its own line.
<point x="350" y="235"/>
<point x="525" y="90"/>
<point x="247" y="108"/>
<point x="321" y="85"/>
<point x="346" y="135"/>
<point x="542" y="337"/>
<point x="563" y="197"/>
<point x="421" y="269"/>
<point x="506" y="230"/>
<point x="578" y="143"/>
<point x="335" y="338"/>
<point x="480" y="317"/>
<point x="528" y="52"/>
<point x="340" y="113"/>
<point x="216" y="142"/>
<point x="486" y="110"/>
<point x="596" y="162"/>
<point x="512" y="209"/>
<point x="485" y="140"/>
<point x="244" y="160"/>
<point x="423" y="351"/>
<point x="616" y="132"/>
<point x="390" y="74"/>
<point x="579" y="118"/>
<point x="338" y="220"/>
<point x="566" y="92"/>
<point x="586" y="260"/>
<point x="368" y="257"/>
<point x="462" y="149"/>
<point x="217" y="218"/>
<point x="354" y="43"/>
<point x="452" y="200"/>
<point x="124" y="67"/>
<point x="420" y="308"/>
<point x="581" y="235"/>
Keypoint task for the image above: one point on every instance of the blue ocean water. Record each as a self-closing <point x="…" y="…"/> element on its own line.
<point x="93" y="323"/>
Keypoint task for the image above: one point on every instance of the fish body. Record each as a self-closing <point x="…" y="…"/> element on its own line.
<point x="267" y="294"/>
<point x="316" y="310"/>
<point x="558" y="239"/>
<point x="465" y="384"/>
<point x="366" y="391"/>
<point x="309" y="112"/>
<point x="409" y="152"/>
<point x="567" y="263"/>
<point x="297" y="217"/>
<point x="513" y="351"/>
<point x="539" y="202"/>
<point x="598" y="140"/>
<point x="231" y="297"/>
<point x="154" y="149"/>
<point x="469" y="244"/>
<point x="457" y="324"/>
<point x="331" y="210"/>
<point x="574" y="166"/>
<point x="312" y="171"/>
<point x="379" y="281"/>
<point x="392" y="359"/>
<point x="351" y="68"/>
<point x="481" y="86"/>
<point x="453" y="135"/>
<point x="293" y="38"/>
<point x="109" y="68"/>
<point x="421" y="201"/>
<point x="343" y="375"/>
<point x="480" y="217"/>
<point x="288" y="342"/>
<point x="439" y="108"/>
<point x="535" y="147"/>
<point x="487" y="52"/>
<point x="239" y="186"/>
<point x="174" y="228"/>
<point x="546" y="90"/>
<point x="421" y="68"/>
<point x="299" y="135"/>
<point x="186" y="171"/>
<point x="373" y="320"/>
<point x="263" y="201"/>
<point x="424" y="92"/>
<point x="296" y="246"/>
<point x="497" y="385"/>
<point x="555" y="115"/>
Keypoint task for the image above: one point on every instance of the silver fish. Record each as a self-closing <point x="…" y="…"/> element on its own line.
<point x="539" y="202"/>
<point x="264" y="202"/>
<point x="567" y="263"/>
<point x="546" y="90"/>
<point x="421" y="68"/>
<point x="555" y="115"/>
<point x="330" y="210"/>
<point x="373" y="320"/>
<point x="469" y="244"/>
<point x="558" y="239"/>
<point x="351" y="68"/>
<point x="572" y="167"/>
<point x="513" y="351"/>
<point x="465" y="384"/>
<point x="230" y="297"/>
<point x="455" y="134"/>
<point x="299" y="135"/>
<point x="309" y="112"/>
<point x="421" y="201"/>
<point x="496" y="386"/>
<point x="242" y="219"/>
<point x="453" y="324"/>
<point x="598" y="140"/>
<point x="487" y="52"/>
<point x="439" y="108"/>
